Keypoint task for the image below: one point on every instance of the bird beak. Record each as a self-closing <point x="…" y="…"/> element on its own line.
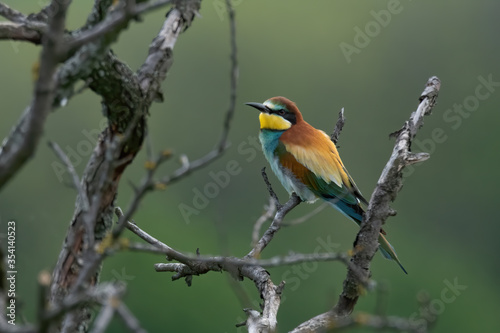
<point x="259" y="106"/>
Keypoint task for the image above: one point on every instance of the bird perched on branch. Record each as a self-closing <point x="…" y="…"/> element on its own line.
<point x="307" y="162"/>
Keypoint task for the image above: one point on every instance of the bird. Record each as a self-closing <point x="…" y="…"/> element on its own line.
<point x="307" y="163"/>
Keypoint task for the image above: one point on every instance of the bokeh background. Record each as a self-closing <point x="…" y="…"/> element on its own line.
<point x="447" y="224"/>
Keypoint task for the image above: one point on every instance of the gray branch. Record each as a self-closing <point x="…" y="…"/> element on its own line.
<point x="126" y="100"/>
<point x="21" y="143"/>
<point x="74" y="176"/>
<point x="378" y="211"/>
<point x="248" y="267"/>
<point x="338" y="127"/>
<point x="11" y="14"/>
<point x="19" y="32"/>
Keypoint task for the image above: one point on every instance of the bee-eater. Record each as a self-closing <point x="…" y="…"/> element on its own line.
<point x="307" y="162"/>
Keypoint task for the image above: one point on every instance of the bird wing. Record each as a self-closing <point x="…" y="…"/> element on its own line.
<point x="320" y="169"/>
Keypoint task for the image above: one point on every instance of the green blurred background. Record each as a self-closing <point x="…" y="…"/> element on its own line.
<point x="446" y="228"/>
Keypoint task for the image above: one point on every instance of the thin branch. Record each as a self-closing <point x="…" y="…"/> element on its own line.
<point x="393" y="323"/>
<point x="170" y="252"/>
<point x="233" y="77"/>
<point x="220" y="148"/>
<point x="129" y="319"/>
<point x="272" y="194"/>
<point x="277" y="261"/>
<point x="194" y="260"/>
<point x="12" y="14"/>
<point x="307" y="216"/>
<point x="247" y="267"/>
<point x="269" y="211"/>
<point x="147" y="185"/>
<point x="19" y="32"/>
<point x="160" y="57"/>
<point x="74" y="177"/>
<point x="141" y="247"/>
<point x="95" y="258"/>
<point x="104" y="317"/>
<point x="112" y="22"/>
<point x="387" y="188"/>
<point x="293" y="202"/>
<point x="338" y="127"/>
<point x="21" y="143"/>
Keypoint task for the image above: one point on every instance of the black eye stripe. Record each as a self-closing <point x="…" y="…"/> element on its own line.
<point x="286" y="115"/>
<point x="280" y="112"/>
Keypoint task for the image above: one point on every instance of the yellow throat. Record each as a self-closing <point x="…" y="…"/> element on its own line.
<point x="273" y="122"/>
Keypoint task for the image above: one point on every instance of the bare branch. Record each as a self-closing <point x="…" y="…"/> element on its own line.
<point x="378" y="211"/>
<point x="247" y="267"/>
<point x="270" y="188"/>
<point x="125" y="105"/>
<point x="11" y="14"/>
<point x="160" y="57"/>
<point x="170" y="252"/>
<point x="74" y="177"/>
<point x="233" y="78"/>
<point x="129" y="319"/>
<point x="268" y="236"/>
<point x="387" y="188"/>
<point x="189" y="167"/>
<point x="363" y="319"/>
<point x="104" y="317"/>
<point x="112" y="22"/>
<point x="269" y="211"/>
<point x="19" y="32"/>
<point x="141" y="247"/>
<point x="21" y="143"/>
<point x="338" y="127"/>
<point x="306" y="217"/>
<point x="188" y="262"/>
<point x="277" y="261"/>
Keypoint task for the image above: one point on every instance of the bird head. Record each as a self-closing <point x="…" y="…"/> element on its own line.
<point x="277" y="113"/>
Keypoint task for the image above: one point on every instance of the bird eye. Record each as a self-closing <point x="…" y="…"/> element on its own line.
<point x="281" y="112"/>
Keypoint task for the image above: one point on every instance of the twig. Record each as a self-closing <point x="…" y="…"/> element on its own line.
<point x="270" y="189"/>
<point x="19" y="32"/>
<point x="375" y="322"/>
<point x="74" y="177"/>
<point x="11" y="14"/>
<point x="306" y="217"/>
<point x="194" y="260"/>
<point x="141" y="247"/>
<point x="233" y="78"/>
<point x="129" y="319"/>
<point x="147" y="185"/>
<point x="269" y="211"/>
<point x="246" y="267"/>
<point x="220" y="148"/>
<point x="104" y="317"/>
<point x="170" y="252"/>
<point x="112" y="22"/>
<point x="275" y="226"/>
<point x="338" y="127"/>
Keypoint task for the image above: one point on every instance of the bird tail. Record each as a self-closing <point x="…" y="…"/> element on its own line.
<point x="355" y="213"/>
<point x="388" y="251"/>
